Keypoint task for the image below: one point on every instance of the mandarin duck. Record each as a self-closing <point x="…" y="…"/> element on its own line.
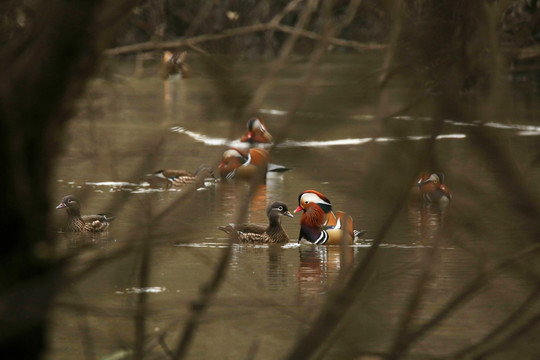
<point x="312" y="228"/>
<point x="173" y="63"/>
<point x="176" y="178"/>
<point x="243" y="165"/>
<point x="256" y="132"/>
<point x="86" y="223"/>
<point x="255" y="233"/>
<point x="433" y="190"/>
<point x="331" y="220"/>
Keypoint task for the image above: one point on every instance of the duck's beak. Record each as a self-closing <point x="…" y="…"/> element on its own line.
<point x="288" y="213"/>
<point x="299" y="208"/>
<point x="61" y="205"/>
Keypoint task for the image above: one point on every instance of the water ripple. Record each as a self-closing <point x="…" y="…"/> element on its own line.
<point x="138" y="290"/>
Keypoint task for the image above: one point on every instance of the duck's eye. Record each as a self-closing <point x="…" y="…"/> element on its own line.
<point x="70" y="200"/>
<point x="306" y="202"/>
<point x="280" y="208"/>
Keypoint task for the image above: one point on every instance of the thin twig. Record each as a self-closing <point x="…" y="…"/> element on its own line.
<point x="513" y="317"/>
<point x="245" y="30"/>
<point x="471" y="288"/>
<point x="141" y="307"/>
<point x="413" y="304"/>
<point x="516" y="334"/>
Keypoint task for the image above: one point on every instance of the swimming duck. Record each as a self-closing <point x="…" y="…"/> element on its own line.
<point x="255" y="233"/>
<point x="176" y="178"/>
<point x="337" y="220"/>
<point x="312" y="228"/>
<point x="174" y="63"/>
<point x="256" y="132"/>
<point x="86" y="223"/>
<point x="242" y="164"/>
<point x="433" y="190"/>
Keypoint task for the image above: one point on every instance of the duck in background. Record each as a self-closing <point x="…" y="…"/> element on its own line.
<point x="312" y="227"/>
<point x="256" y="132"/>
<point x="237" y="164"/>
<point x="173" y="63"/>
<point x="433" y="189"/>
<point x="177" y="178"/>
<point x="255" y="233"/>
<point x="86" y="223"/>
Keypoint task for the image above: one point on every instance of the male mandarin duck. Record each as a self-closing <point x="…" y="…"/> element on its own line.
<point x="174" y="63"/>
<point x="312" y="200"/>
<point x="86" y="223"/>
<point x="176" y="178"/>
<point x="237" y="164"/>
<point x="254" y="233"/>
<point x="433" y="190"/>
<point x="256" y="132"/>
<point x="312" y="228"/>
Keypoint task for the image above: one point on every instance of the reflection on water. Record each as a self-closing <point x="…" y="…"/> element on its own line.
<point x="76" y="243"/>
<point x="426" y="221"/>
<point x="320" y="266"/>
<point x="232" y="194"/>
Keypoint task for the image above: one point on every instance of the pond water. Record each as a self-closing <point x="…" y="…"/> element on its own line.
<point x="339" y="142"/>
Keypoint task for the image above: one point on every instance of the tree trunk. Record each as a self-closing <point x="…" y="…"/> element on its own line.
<point x="44" y="65"/>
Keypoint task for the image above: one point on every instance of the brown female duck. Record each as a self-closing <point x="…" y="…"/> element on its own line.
<point x="86" y="223"/>
<point x="254" y="233"/>
<point x="176" y="178"/>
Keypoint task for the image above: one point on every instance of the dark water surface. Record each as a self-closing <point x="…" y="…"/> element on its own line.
<point x="336" y="144"/>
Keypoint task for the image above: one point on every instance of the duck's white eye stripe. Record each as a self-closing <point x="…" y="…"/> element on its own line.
<point x="311" y="197"/>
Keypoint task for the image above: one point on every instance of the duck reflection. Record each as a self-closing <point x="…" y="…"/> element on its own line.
<point x="230" y="195"/>
<point x="320" y="266"/>
<point x="70" y="243"/>
<point x="426" y="220"/>
<point x="276" y="270"/>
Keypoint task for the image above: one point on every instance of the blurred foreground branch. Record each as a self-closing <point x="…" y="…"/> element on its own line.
<point x="269" y="26"/>
<point x="37" y="101"/>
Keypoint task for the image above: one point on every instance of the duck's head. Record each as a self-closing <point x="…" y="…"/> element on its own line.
<point x="432" y="183"/>
<point x="278" y="208"/>
<point x="433" y="178"/>
<point x="313" y="197"/>
<point x="256" y="131"/>
<point x="71" y="204"/>
<point x="230" y="161"/>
